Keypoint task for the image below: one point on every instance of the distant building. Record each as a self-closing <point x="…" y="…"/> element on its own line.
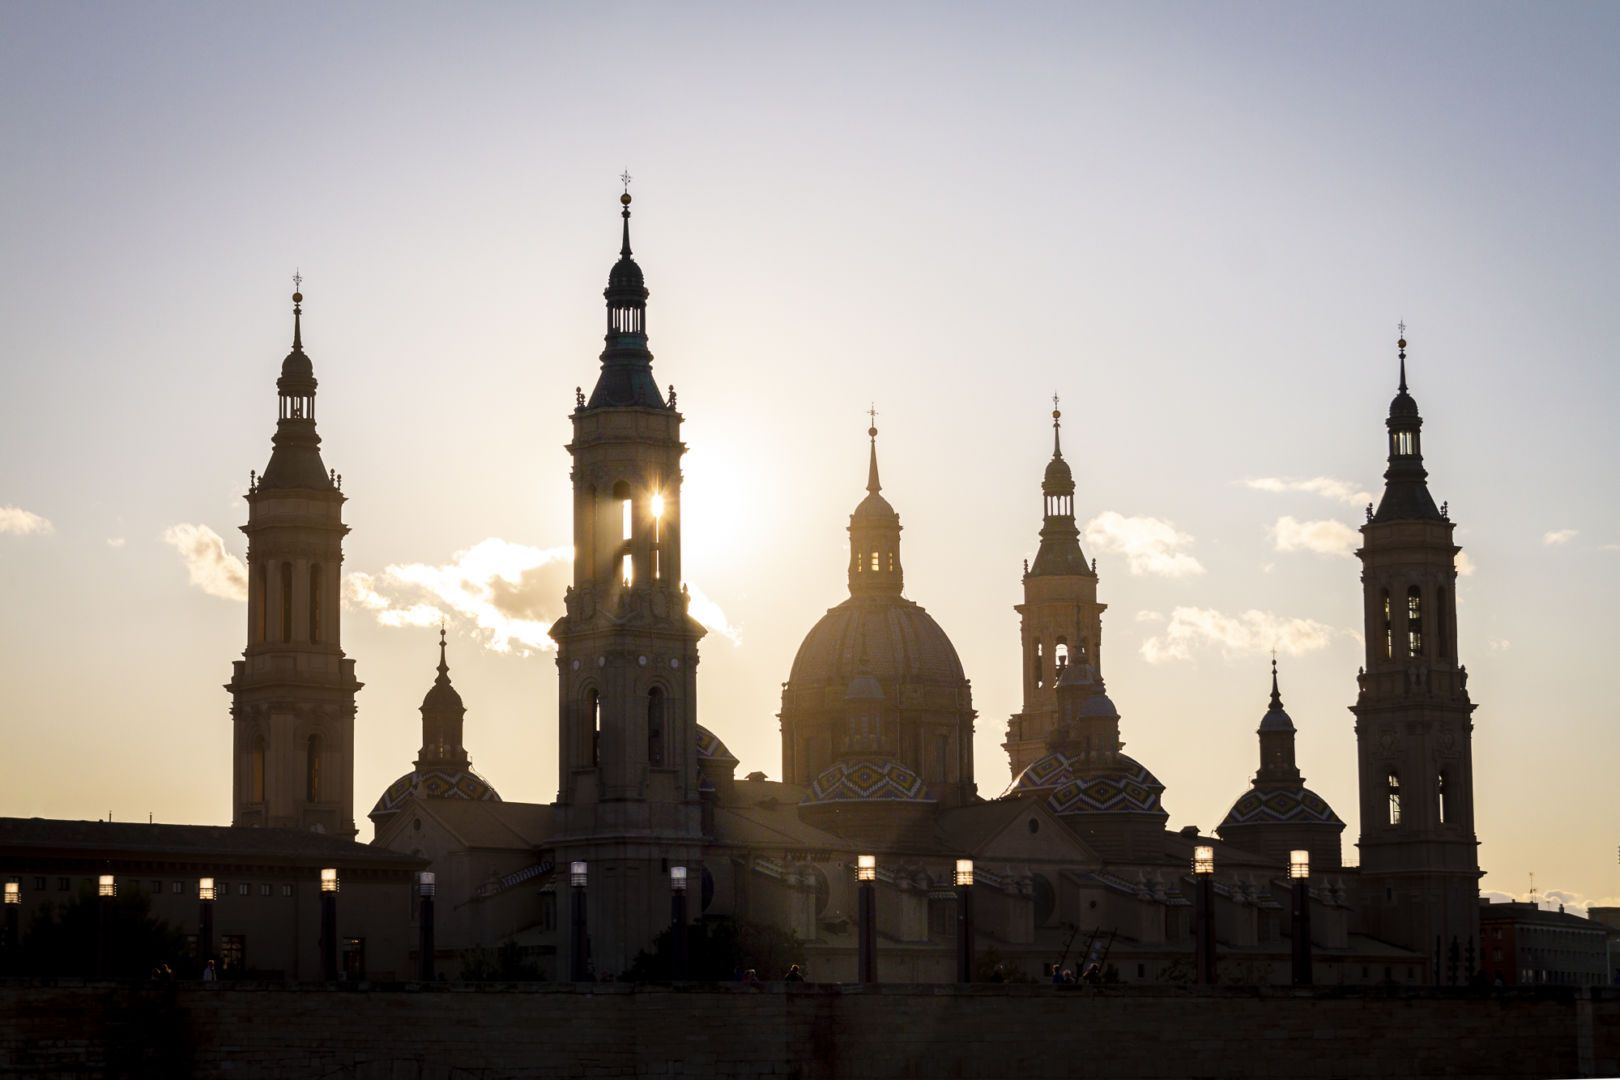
<point x="1610" y="917"/>
<point x="1527" y="946"/>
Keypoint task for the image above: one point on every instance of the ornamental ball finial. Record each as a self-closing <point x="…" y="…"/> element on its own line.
<point x="298" y="298"/>
<point x="625" y="199"/>
<point x="1401" y="344"/>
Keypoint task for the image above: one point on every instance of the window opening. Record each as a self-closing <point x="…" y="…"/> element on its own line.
<point x="256" y="771"/>
<point x="1389" y="640"/>
<point x="286" y="601"/>
<point x="312" y="769"/>
<point x="1039" y="670"/>
<point x="1414" y="621"/>
<point x="1394" y="789"/>
<point x="594" y="704"/>
<point x="315" y="603"/>
<point x="655" y="726"/>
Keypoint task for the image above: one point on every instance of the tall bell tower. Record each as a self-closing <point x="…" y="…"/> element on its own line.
<point x="1420" y="873"/>
<point x="1060" y="618"/>
<point x="292" y="693"/>
<point x="626" y="648"/>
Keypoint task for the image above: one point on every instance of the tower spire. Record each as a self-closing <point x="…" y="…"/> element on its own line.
<point x="1057" y="424"/>
<point x="444" y="665"/>
<point x="624" y="201"/>
<point x="298" y="311"/>
<point x="872" y="484"/>
<point x="1401" y="345"/>
<point x="1276" y="696"/>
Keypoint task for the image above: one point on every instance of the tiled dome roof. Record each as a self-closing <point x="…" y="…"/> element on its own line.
<point x="1071" y="786"/>
<point x="1290" y="805"/>
<point x="897" y="640"/>
<point x="434" y="784"/>
<point x="868" y="779"/>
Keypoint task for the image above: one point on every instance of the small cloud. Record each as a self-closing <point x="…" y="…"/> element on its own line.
<point x="1559" y="536"/>
<point x="1611" y="547"/>
<point x="1573" y="903"/>
<point x="211" y="568"/>
<point x="1326" y="486"/>
<point x="1322" y="537"/>
<point x="708" y="613"/>
<point x="1248" y="633"/>
<point x="115" y="541"/>
<point x="1500" y="644"/>
<point x="1150" y="545"/>
<point x="1465" y="565"/>
<point x="20" y="522"/>
<point x="1149" y="616"/>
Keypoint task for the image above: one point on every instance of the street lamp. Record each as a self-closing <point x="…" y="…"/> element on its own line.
<point x="106" y="889"/>
<point x="1204" y="914"/>
<point x="964" y="920"/>
<point x="581" y="956"/>
<point x="13" y="905"/>
<point x="205" y="922"/>
<point x="677" y="917"/>
<point x="1299" y="874"/>
<point x="107" y="886"/>
<point x="866" y="875"/>
<point x="425" y="887"/>
<point x="329" y="891"/>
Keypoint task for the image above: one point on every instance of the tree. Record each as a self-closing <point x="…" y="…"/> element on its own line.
<point x="719" y="949"/>
<point x="62" y="939"/>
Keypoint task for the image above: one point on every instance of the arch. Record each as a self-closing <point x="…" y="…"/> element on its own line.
<point x="1038" y="668"/>
<point x="286" y="602"/>
<point x="1389" y="637"/>
<point x="1393" y="790"/>
<point x="312" y="769"/>
<point x="1442" y="632"/>
<point x="1060" y="657"/>
<point x="261" y="586"/>
<point x="1444" y="807"/>
<point x="655" y="726"/>
<point x="315" y="602"/>
<point x="256" y="770"/>
<point x="593" y="726"/>
<point x="1414" y="621"/>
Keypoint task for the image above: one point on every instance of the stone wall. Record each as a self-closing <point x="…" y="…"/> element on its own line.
<point x="802" y="1031"/>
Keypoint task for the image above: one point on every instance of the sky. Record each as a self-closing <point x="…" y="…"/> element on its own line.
<point x="1197" y="224"/>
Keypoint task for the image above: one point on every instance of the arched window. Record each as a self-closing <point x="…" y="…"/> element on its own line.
<point x="877" y="560"/>
<point x="1039" y="668"/>
<point x="1389" y="638"/>
<point x="1060" y="656"/>
<point x="655" y="726"/>
<point x="1442" y="642"/>
<point x="1394" y="790"/>
<point x="1442" y="796"/>
<point x="286" y="601"/>
<point x="312" y="769"/>
<point x="256" y="771"/>
<point x="593" y="717"/>
<point x="315" y="603"/>
<point x="1414" y="621"/>
<point x="261" y="584"/>
<point x="627" y="565"/>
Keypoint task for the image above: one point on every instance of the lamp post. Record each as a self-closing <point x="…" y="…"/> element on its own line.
<point x="1204" y="914"/>
<point x="964" y="920"/>
<point x="205" y="923"/>
<point x="329" y="951"/>
<point x="106" y="889"/>
<point x="580" y="955"/>
<point x="13" y="905"/>
<point x="677" y="916"/>
<point x="866" y="875"/>
<point x="1299" y="876"/>
<point x="425" y="883"/>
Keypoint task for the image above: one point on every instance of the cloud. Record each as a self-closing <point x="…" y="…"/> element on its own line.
<point x="1575" y="903"/>
<point x="1559" y="536"/>
<point x="20" y="522"/>
<point x="1500" y="644"/>
<point x="1322" y="537"/>
<point x="115" y="541"/>
<point x="1150" y="545"/>
<point x="1149" y="616"/>
<point x="1465" y="565"/>
<point x="211" y="568"/>
<point x="511" y="593"/>
<point x="1326" y="486"/>
<point x="1251" y="632"/>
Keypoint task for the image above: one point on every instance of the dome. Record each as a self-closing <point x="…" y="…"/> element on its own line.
<point x="626" y="274"/>
<point x="1276" y="806"/>
<point x="442" y="697"/>
<point x="875" y="508"/>
<point x="1058" y="480"/>
<point x="297" y="366"/>
<point x="1403" y="405"/>
<point x="434" y="784"/>
<point x="887" y="638"/>
<point x="867" y="779"/>
<point x="1099" y="706"/>
<point x="1071" y="786"/>
<point x="864" y="688"/>
<point x="710" y="748"/>
<point x="1276" y="720"/>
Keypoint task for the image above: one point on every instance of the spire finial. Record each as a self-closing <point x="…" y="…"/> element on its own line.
<point x="624" y="201"/>
<point x="1401" y="345"/>
<point x="444" y="665"/>
<point x="1276" y="695"/>
<point x="872" y="484"/>
<point x="1057" y="422"/>
<point x="298" y="300"/>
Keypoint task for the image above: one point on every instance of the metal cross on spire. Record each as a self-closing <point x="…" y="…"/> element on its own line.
<point x="624" y="178"/>
<point x="1401" y="327"/>
<point x="871" y="414"/>
<point x="298" y="279"/>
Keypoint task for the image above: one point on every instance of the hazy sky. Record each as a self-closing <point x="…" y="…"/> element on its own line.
<point x="1197" y="223"/>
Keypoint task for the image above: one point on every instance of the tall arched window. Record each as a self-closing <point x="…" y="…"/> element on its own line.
<point x="1060" y="657"/>
<point x="315" y="603"/>
<point x="1442" y="638"/>
<point x="312" y="769"/>
<point x="655" y="726"/>
<point x="1039" y="668"/>
<point x="261" y="585"/>
<point x="627" y="564"/>
<point x="256" y="771"/>
<point x="1389" y="636"/>
<point x="1414" y="621"/>
<point x="286" y="601"/>
<point x="1442" y="796"/>
<point x="1394" y="790"/>
<point x="593" y="717"/>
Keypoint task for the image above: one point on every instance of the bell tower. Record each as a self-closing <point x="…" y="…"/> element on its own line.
<point x="292" y="693"/>
<point x="1419" y="856"/>
<point x="1060" y="618"/>
<point x="626" y="648"/>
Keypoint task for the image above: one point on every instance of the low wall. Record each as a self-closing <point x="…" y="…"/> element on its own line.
<point x="803" y="1031"/>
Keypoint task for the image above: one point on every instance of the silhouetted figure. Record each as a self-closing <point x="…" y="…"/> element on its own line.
<point x="793" y="974"/>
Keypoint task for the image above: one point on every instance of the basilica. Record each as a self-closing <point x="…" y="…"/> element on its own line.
<point x="1073" y="862"/>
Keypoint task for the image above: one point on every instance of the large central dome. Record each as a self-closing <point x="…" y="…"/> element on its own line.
<point x="888" y="637"/>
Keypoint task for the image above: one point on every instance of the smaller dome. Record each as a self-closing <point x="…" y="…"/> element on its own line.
<point x="866" y="780"/>
<point x="710" y="748"/>
<point x="875" y="508"/>
<point x="1058" y="480"/>
<point x="297" y="366"/>
<point x="434" y="784"/>
<point x="1278" y="806"/>
<point x="1276" y="720"/>
<point x="1099" y="706"/>
<point x="1132" y="791"/>
<point x="864" y="688"/>
<point x="626" y="274"/>
<point x="442" y="697"/>
<point x="1403" y="405"/>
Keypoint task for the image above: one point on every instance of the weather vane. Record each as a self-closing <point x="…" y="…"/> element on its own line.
<point x="624" y="178"/>
<point x="872" y="415"/>
<point x="298" y="279"/>
<point x="1401" y="327"/>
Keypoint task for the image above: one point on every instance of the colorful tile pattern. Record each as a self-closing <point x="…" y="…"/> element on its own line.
<point x="434" y="784"/>
<point x="867" y="780"/>
<point x="1261" y="806"/>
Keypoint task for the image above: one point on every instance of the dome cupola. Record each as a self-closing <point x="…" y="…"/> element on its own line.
<point x="295" y="461"/>
<point x="1406" y="488"/>
<point x="626" y="379"/>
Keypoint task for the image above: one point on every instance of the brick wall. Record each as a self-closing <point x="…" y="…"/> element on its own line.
<point x="805" y="1032"/>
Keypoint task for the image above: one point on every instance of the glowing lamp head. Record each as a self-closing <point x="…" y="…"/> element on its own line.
<point x="329" y="880"/>
<point x="1299" y="864"/>
<point x="677" y="878"/>
<point x="13" y="893"/>
<point x="425" y="883"/>
<point x="1203" y="859"/>
<point x="205" y="888"/>
<point x="964" y="871"/>
<point x="577" y="874"/>
<point x="657" y="504"/>
<point x="866" y="868"/>
<point x="107" y="886"/>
